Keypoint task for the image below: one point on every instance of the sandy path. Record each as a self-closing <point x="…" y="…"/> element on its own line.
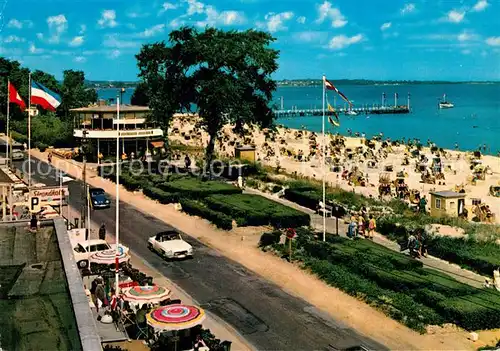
<point x="240" y="246"/>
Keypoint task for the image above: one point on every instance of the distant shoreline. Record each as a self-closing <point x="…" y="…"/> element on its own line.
<point x="309" y="83"/>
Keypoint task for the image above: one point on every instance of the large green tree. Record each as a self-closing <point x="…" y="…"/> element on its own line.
<point x="225" y="74"/>
<point x="140" y="97"/>
<point x="74" y="93"/>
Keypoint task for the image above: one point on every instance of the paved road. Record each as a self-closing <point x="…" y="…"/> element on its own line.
<point x="260" y="311"/>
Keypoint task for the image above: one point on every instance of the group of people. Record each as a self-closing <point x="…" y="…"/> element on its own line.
<point x="417" y="244"/>
<point x="362" y="225"/>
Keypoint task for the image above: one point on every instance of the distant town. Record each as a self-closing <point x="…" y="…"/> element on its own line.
<point x="302" y="83"/>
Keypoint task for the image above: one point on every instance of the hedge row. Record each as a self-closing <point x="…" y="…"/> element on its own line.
<point x="310" y="198"/>
<point x="255" y="210"/>
<point x="394" y="283"/>
<point x="194" y="188"/>
<point x="481" y="257"/>
<point x="161" y="196"/>
<point x="198" y="209"/>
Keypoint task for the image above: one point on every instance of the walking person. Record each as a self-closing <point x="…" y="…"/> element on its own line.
<point x="361" y="225"/>
<point x="372" y="225"/>
<point x="102" y="232"/>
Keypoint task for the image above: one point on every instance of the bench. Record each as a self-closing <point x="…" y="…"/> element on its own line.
<point x="327" y="209"/>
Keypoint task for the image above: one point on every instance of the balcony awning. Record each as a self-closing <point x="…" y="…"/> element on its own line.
<point x="157" y="144"/>
<point x="130" y="121"/>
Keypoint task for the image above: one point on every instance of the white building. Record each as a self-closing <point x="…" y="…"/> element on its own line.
<point x="100" y="122"/>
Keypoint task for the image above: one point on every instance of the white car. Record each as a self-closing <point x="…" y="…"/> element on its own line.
<point x="82" y="248"/>
<point x="170" y="244"/>
<point x="18" y="155"/>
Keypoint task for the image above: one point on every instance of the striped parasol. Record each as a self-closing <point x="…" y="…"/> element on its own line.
<point x="146" y="294"/>
<point x="108" y="257"/>
<point x="175" y="317"/>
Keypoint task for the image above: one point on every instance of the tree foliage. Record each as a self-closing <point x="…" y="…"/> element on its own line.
<point x="225" y="74"/>
<point x="46" y="128"/>
<point x="140" y="97"/>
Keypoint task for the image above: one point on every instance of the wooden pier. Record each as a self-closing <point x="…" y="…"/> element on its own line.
<point x="366" y="110"/>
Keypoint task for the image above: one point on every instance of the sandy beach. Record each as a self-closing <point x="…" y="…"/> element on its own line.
<point x="298" y="152"/>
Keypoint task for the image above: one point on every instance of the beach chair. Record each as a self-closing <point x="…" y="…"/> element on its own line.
<point x="141" y="331"/>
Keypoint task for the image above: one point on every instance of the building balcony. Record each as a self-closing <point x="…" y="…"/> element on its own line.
<point x="113" y="134"/>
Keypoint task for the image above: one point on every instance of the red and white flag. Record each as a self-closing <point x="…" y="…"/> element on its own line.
<point x="15" y="98"/>
<point x="329" y="86"/>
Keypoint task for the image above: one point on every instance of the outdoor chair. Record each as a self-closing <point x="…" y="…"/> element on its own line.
<point x="141" y="331"/>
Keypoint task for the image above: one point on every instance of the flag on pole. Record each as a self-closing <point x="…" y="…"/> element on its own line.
<point x="335" y="122"/>
<point x="43" y="96"/>
<point x="329" y="86"/>
<point x="15" y="98"/>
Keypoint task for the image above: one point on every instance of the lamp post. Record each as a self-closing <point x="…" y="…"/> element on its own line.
<point x="122" y="90"/>
<point x="84" y="177"/>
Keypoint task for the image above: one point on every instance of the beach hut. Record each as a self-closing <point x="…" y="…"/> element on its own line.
<point x="447" y="203"/>
<point x="245" y="152"/>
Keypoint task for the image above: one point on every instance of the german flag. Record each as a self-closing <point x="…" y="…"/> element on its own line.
<point x="335" y="122"/>
<point x="329" y="86"/>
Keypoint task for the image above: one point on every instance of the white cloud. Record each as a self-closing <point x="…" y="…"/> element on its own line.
<point x="137" y="14"/>
<point x="58" y="25"/>
<point x="408" y="8"/>
<point x="385" y="26"/>
<point x="195" y="7"/>
<point x="177" y="22"/>
<point x="13" y="23"/>
<point x="83" y="29"/>
<point x="34" y="50"/>
<point x="224" y="18"/>
<point x="390" y="35"/>
<point x="493" y="41"/>
<point x="14" y="39"/>
<point x="455" y="16"/>
<point x="466" y="51"/>
<point x="301" y="20"/>
<point x="341" y="41"/>
<point x="108" y="19"/>
<point x="114" y="54"/>
<point x="113" y="41"/>
<point x="326" y="11"/>
<point x="76" y="41"/>
<point x="167" y="6"/>
<point x="276" y="21"/>
<point x="80" y="59"/>
<point x="310" y="36"/>
<point x="481" y="5"/>
<point x="151" y="32"/>
<point x="467" y="36"/>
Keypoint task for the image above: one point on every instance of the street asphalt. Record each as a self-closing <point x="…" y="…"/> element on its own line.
<point x="266" y="316"/>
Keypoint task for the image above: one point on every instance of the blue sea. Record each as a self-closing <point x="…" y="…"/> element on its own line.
<point x="474" y="121"/>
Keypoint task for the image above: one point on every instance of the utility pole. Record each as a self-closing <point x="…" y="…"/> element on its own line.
<point x="84" y="176"/>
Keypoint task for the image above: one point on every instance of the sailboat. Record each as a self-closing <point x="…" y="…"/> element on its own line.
<point x="445" y="104"/>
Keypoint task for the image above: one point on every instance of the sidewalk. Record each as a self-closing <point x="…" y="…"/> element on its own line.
<point x="290" y="278"/>
<point x="453" y="270"/>
<point x="216" y="326"/>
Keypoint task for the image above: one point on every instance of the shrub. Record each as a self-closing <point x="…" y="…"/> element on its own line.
<point x="131" y="183"/>
<point x="257" y="210"/>
<point x="198" y="209"/>
<point x="269" y="239"/>
<point x="20" y="138"/>
<point x="194" y="188"/>
<point x="41" y="146"/>
<point x="160" y="195"/>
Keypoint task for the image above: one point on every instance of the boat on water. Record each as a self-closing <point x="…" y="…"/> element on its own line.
<point x="445" y="104"/>
<point x="351" y="113"/>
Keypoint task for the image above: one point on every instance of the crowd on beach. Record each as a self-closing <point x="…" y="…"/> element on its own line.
<point x="360" y="164"/>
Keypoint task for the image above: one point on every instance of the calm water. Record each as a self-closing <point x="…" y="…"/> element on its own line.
<point x="474" y="121"/>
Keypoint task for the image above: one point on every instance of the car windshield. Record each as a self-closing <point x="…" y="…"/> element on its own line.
<point x="170" y="236"/>
<point x="99" y="247"/>
<point x="95" y="192"/>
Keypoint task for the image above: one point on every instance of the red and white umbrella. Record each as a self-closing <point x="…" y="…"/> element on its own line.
<point x="108" y="257"/>
<point x="146" y="294"/>
<point x="175" y="317"/>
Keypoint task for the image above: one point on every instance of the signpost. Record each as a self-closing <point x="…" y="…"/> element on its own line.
<point x="52" y="196"/>
<point x="290" y="234"/>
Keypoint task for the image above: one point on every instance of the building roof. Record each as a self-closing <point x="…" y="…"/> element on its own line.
<point x="447" y="194"/>
<point x="5" y="179"/>
<point x="111" y="108"/>
<point x="245" y="148"/>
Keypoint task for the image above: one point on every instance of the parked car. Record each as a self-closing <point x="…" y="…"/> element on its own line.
<point x="83" y="249"/>
<point x="18" y="155"/>
<point x="170" y="244"/>
<point x="98" y="199"/>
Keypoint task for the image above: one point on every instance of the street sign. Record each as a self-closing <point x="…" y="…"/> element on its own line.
<point x="49" y="195"/>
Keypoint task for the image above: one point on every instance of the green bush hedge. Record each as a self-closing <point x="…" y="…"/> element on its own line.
<point x="198" y="209"/>
<point x="194" y="188"/>
<point x="397" y="284"/>
<point x="160" y="195"/>
<point x="256" y="210"/>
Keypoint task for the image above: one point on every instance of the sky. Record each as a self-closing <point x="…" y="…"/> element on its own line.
<point x="353" y="39"/>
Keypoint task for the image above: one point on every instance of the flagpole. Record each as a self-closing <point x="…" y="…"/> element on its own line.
<point x="117" y="224"/>
<point x="29" y="132"/>
<point x="8" y="118"/>
<point x="324" y="172"/>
